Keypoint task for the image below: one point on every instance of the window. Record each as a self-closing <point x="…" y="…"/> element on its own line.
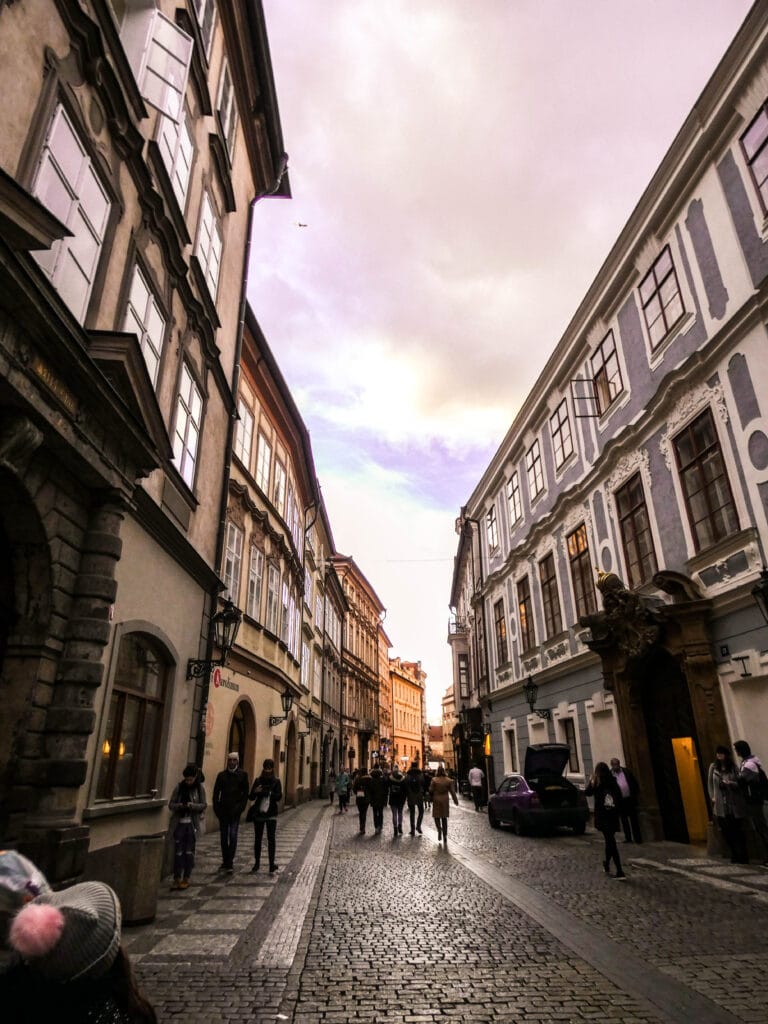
<point x="205" y="12"/>
<point x="67" y="185"/>
<point x="661" y="299"/>
<point x="754" y="142"/>
<point x="492" y="527"/>
<point x="159" y="53"/>
<point x="131" y="746"/>
<point x="177" y="150"/>
<point x="189" y="411"/>
<point x="243" y="433"/>
<point x="606" y="374"/>
<point x="304" y="665"/>
<point x="464" y="676"/>
<point x="550" y="597"/>
<point x="581" y="571"/>
<point x="273" y="598"/>
<point x="513" y="499"/>
<point x="317" y="677"/>
<point x="278" y="487"/>
<point x="308" y="590"/>
<point x="525" y="612"/>
<point x="255" y="577"/>
<point x="511" y="750"/>
<point x="706" y="490"/>
<point x="263" y="463"/>
<point x="500" y="625"/>
<point x="569" y="737"/>
<point x="318" y="611"/>
<point x="560" y="425"/>
<point x="285" y="621"/>
<point x="233" y="558"/>
<point x="208" y="249"/>
<point x="636" y="539"/>
<point x="144" y="319"/>
<point x="534" y="470"/>
<point x="225" y="109"/>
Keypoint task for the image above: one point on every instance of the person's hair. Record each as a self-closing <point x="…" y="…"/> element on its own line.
<point x="441" y="770"/>
<point x="601" y="772"/>
<point x="269" y="763"/>
<point x="126" y="991"/>
<point x="742" y="748"/>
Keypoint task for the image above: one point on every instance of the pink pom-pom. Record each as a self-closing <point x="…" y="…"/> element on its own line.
<point x="36" y="929"/>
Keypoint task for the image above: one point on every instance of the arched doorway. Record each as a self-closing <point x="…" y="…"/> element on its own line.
<point x="242" y="737"/>
<point x="290" y="765"/>
<point x="314" y="785"/>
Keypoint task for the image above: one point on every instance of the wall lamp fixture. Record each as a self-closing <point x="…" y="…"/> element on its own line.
<point x="531" y="692"/>
<point x="286" y="699"/>
<point x="225" y="626"/>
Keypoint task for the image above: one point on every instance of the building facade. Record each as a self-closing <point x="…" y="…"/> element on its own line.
<point x="408" y="681"/>
<point x="138" y="140"/>
<point x="609" y="553"/>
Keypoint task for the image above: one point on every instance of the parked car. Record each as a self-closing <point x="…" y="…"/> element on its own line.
<point x="541" y="798"/>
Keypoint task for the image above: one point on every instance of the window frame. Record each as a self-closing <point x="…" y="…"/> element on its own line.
<point x="205" y="24"/>
<point x="550" y="596"/>
<point x="514" y="499"/>
<point x="534" y="470"/>
<point x="226" y="110"/>
<point x="279" y="486"/>
<point x="526" y="622"/>
<point x="185" y="406"/>
<point x="715" y="448"/>
<point x="492" y="528"/>
<point x="562" y="434"/>
<point x="462" y="666"/>
<point x="656" y="295"/>
<point x="272" y="615"/>
<point x="169" y="130"/>
<point x="631" y="534"/>
<point x="254" y="590"/>
<point x="209" y="247"/>
<point x="580" y="564"/>
<point x="144" y="335"/>
<point x="232" y="561"/>
<point x="500" y="632"/>
<point x="244" y="415"/>
<point x="263" y="472"/>
<point x="567" y="727"/>
<point x="761" y="150"/>
<point x="606" y="390"/>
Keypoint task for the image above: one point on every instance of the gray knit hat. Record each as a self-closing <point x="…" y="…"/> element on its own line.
<point x="69" y="935"/>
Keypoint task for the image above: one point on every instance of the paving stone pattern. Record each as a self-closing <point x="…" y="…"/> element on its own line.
<point x="375" y="928"/>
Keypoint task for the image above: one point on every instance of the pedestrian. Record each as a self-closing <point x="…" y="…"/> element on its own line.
<point x="187" y="806"/>
<point x="605" y="789"/>
<point x="362" y="780"/>
<point x="72" y="965"/>
<point x="628" y="806"/>
<point x="266" y="792"/>
<point x="377" y="797"/>
<point x="342" y="790"/>
<point x="728" y="803"/>
<point x="441" y="792"/>
<point x="414" y="794"/>
<point x="475" y="778"/>
<point x="230" y="795"/>
<point x="750" y="772"/>
<point x="331" y="785"/>
<point x="396" y="798"/>
<point x="428" y="776"/>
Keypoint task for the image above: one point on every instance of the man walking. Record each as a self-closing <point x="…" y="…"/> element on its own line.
<point x="397" y="799"/>
<point x="630" y="789"/>
<point x="414" y="794"/>
<point x="475" y="778"/>
<point x="230" y="795"/>
<point x="750" y="778"/>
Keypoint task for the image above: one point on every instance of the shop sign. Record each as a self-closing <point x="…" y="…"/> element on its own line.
<point x="228" y="684"/>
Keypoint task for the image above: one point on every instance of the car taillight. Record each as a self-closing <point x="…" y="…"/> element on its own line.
<point x="534" y="801"/>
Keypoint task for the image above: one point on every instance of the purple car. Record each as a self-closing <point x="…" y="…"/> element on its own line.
<point x="541" y="798"/>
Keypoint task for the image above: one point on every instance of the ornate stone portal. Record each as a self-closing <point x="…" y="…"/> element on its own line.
<point x="656" y="660"/>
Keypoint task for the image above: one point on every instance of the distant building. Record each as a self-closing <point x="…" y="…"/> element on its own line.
<point x="408" y="681"/>
<point x="449" y="724"/>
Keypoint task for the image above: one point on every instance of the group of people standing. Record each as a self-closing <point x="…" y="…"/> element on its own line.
<point x="415" y="789"/>
<point x="615" y="791"/>
<point x="231" y="793"/>
<point x="737" y="794"/>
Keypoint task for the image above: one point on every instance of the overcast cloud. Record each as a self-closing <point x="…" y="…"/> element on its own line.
<point x="460" y="170"/>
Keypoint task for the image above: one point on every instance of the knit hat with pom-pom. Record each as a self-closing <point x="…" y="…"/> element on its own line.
<point x="69" y="935"/>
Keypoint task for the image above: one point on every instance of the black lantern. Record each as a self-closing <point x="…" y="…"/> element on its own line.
<point x="531" y="692"/>
<point x="463" y="715"/>
<point x="760" y="593"/>
<point x="286" y="699"/>
<point x="225" y="626"/>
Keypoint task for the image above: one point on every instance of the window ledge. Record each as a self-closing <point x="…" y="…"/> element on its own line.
<point x="128" y="806"/>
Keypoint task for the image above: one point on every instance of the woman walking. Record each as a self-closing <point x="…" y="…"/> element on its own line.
<point x="377" y="797"/>
<point x="441" y="792"/>
<point x="187" y="806"/>
<point x="605" y="789"/>
<point x="728" y="803"/>
<point x="267" y="793"/>
<point x="360" y="789"/>
<point x="342" y="790"/>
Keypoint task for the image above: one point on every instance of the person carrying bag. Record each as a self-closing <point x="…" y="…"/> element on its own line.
<point x="266" y="793"/>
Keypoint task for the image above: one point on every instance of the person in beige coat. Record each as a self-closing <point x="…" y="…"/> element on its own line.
<point x="441" y="788"/>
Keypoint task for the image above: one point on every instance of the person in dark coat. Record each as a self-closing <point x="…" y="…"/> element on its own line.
<point x="360" y="789"/>
<point x="628" y="807"/>
<point x="377" y="797"/>
<point x="604" y="788"/>
<point x="230" y="795"/>
<point x="396" y="798"/>
<point x="267" y="792"/>
<point x="414" y="793"/>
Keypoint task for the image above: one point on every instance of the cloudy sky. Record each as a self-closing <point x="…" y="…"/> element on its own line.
<point x="459" y="169"/>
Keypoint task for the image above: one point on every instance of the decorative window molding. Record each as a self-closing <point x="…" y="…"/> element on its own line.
<point x="186" y="434"/>
<point x="687" y="406"/>
<point x="144" y="319"/>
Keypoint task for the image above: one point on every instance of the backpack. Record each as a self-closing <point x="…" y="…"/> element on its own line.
<point x="757" y="790"/>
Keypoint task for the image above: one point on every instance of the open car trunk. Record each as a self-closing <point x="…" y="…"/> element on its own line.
<point x="544" y="766"/>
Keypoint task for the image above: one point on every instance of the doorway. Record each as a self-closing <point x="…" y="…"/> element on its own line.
<point x="290" y="766"/>
<point x="242" y="736"/>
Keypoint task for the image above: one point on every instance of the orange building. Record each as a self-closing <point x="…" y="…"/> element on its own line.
<point x="408" y="682"/>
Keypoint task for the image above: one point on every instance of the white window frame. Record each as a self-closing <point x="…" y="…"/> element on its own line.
<point x="226" y="111"/>
<point x="144" y="319"/>
<point x="305" y="655"/>
<point x="67" y="184"/>
<point x="273" y="598"/>
<point x="492" y="528"/>
<point x="534" y="469"/>
<point x="278" y="487"/>
<point x="308" y="590"/>
<point x="233" y="562"/>
<point x="205" y="13"/>
<point x="263" y="461"/>
<point x="177" y="148"/>
<point x="318" y="611"/>
<point x="186" y="434"/>
<point x="514" y="499"/>
<point x="255" y="584"/>
<point x="209" y="244"/>
<point x="243" y="433"/>
<point x="159" y="53"/>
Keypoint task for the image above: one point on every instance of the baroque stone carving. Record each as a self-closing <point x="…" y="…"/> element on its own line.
<point x="628" y="621"/>
<point x="686" y="406"/>
<point x="19" y="440"/>
<point x="627" y="466"/>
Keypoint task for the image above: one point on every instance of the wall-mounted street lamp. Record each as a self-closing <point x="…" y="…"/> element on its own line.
<point x="225" y="626"/>
<point x="311" y="720"/>
<point x="463" y="716"/>
<point x="760" y="593"/>
<point x="286" y="699"/>
<point x="531" y="692"/>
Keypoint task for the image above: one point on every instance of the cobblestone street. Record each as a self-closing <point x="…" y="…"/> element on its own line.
<point x="493" y="928"/>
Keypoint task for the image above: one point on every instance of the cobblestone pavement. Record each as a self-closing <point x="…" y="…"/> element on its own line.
<point x="495" y="927"/>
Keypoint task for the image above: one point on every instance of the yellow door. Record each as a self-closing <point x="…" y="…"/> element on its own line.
<point x="691" y="788"/>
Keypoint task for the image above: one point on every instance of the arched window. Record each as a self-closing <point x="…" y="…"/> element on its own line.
<point x="236" y="739"/>
<point x="131" y="747"/>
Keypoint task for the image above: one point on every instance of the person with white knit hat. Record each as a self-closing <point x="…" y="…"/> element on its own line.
<point x="73" y="967"/>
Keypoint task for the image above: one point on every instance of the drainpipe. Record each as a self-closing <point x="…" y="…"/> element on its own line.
<point x="214" y="594"/>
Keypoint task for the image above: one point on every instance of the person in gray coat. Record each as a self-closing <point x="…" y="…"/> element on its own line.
<point x="187" y="806"/>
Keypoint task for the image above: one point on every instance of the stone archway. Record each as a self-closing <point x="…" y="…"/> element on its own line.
<point x="242" y="736"/>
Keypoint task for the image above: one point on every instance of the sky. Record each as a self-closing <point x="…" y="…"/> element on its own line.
<point x="459" y="170"/>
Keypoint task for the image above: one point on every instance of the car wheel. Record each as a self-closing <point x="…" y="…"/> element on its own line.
<point x="517" y="825"/>
<point x="493" y="821"/>
<point x="579" y="830"/>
